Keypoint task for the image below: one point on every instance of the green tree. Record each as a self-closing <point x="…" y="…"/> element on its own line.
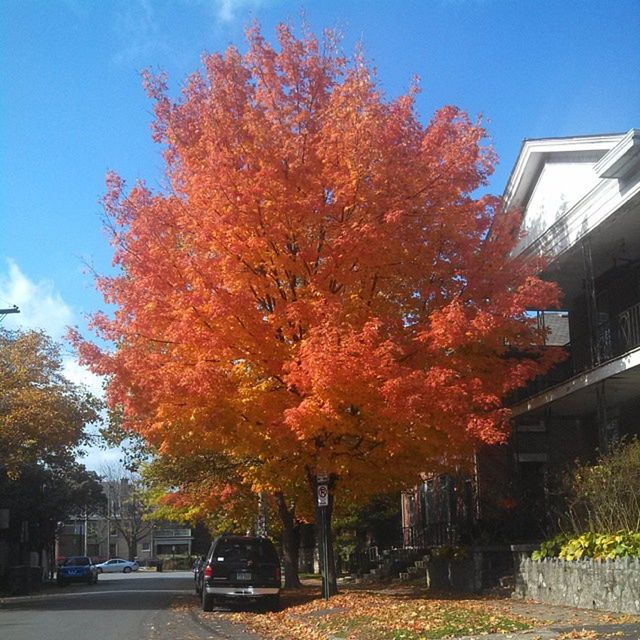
<point x="43" y="420"/>
<point x="42" y="414"/>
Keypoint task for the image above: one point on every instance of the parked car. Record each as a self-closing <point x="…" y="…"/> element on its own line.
<point x="198" y="574"/>
<point x="241" y="569"/>
<point x="117" y="565"/>
<point x="77" y="569"/>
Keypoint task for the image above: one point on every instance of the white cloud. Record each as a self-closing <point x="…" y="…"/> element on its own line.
<point x="97" y="459"/>
<point x="138" y="32"/>
<point x="78" y="374"/>
<point x="227" y="10"/>
<point x="142" y="29"/>
<point x="41" y="305"/>
<point x="43" y="308"/>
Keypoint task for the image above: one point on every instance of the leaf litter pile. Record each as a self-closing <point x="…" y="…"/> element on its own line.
<point x="363" y="615"/>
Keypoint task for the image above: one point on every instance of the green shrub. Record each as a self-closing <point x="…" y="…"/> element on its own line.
<point x="177" y="563"/>
<point x="599" y="546"/>
<point x="550" y="548"/>
<point x="603" y="507"/>
<point x="605" y="496"/>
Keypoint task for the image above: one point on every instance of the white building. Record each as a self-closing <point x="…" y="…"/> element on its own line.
<point x="580" y="200"/>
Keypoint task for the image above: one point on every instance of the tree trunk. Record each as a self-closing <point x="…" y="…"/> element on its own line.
<point x="131" y="548"/>
<point x="290" y="542"/>
<point x="330" y="569"/>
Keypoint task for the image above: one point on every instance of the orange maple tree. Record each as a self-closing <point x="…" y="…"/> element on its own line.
<point x="317" y="285"/>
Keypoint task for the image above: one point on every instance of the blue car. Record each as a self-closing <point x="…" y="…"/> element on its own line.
<point x="77" y="569"/>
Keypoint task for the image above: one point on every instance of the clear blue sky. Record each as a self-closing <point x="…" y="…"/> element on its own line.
<point x="72" y="105"/>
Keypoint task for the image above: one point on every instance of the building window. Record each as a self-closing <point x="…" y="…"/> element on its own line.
<point x="146" y="546"/>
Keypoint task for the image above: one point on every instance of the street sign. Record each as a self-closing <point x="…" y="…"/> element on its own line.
<point x="323" y="495"/>
<point x="322" y="478"/>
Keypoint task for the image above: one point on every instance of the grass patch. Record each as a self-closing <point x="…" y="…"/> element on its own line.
<point x="345" y="627"/>
<point x="355" y="614"/>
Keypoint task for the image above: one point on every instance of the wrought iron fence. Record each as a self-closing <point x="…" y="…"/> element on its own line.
<point x="430" y="535"/>
<point x="613" y="338"/>
<point x="629" y="323"/>
<point x="364" y="560"/>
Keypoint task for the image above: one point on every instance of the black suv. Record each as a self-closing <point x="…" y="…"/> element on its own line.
<point x="240" y="568"/>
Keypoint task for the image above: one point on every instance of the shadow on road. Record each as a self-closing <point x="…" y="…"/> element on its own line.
<point x="99" y="602"/>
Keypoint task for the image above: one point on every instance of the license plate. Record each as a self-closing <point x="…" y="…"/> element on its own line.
<point x="243" y="575"/>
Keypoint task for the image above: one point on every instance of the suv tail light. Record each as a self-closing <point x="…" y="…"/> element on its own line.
<point x="278" y="573"/>
<point x="208" y="571"/>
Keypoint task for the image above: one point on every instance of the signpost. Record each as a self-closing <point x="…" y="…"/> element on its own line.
<point x="322" y="492"/>
<point x="323" y="495"/>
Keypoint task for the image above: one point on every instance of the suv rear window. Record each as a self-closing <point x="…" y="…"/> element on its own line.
<point x="237" y="549"/>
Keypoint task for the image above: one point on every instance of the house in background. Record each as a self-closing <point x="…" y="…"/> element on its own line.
<point x="104" y="541"/>
<point x="580" y="199"/>
<point x="122" y="531"/>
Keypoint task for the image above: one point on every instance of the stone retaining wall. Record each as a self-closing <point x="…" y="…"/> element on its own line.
<point x="610" y="585"/>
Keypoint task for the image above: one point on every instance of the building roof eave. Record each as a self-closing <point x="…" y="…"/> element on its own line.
<point x="533" y="152"/>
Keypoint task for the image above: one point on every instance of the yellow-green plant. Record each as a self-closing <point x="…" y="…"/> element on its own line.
<point x="550" y="548"/>
<point x="599" y="546"/>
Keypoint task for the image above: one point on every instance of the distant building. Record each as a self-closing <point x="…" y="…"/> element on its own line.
<point x="109" y="535"/>
<point x="162" y="540"/>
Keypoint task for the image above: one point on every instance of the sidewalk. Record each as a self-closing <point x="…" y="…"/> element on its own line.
<point x="553" y="621"/>
<point x="409" y="612"/>
<point x="568" y="622"/>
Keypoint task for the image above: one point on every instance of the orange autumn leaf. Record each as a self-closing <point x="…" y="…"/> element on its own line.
<point x="318" y="286"/>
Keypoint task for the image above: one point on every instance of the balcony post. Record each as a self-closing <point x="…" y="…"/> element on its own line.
<point x="601" y="413"/>
<point x="592" y="305"/>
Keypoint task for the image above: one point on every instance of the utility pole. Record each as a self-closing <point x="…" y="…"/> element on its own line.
<point x="86" y="531"/>
<point x="4" y="312"/>
<point x="108" y="554"/>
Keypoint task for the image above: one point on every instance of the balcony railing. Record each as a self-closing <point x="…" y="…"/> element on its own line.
<point x="605" y="340"/>
<point x="629" y="324"/>
<point x="616" y="337"/>
<point x="613" y="339"/>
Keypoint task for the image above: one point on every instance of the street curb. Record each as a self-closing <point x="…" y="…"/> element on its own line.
<point x="220" y="634"/>
<point x="40" y="596"/>
<point x="56" y="594"/>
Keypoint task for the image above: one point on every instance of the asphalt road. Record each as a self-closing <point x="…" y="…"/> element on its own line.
<point x="136" y="606"/>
